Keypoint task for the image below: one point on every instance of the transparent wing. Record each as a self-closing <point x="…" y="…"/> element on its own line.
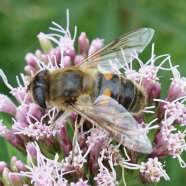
<point x="117" y="121"/>
<point x="120" y="50"/>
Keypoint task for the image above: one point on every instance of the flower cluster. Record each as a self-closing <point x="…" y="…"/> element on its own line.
<point x="94" y="159"/>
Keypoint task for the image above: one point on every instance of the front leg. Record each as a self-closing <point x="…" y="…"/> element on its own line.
<point x="58" y="115"/>
<point x="62" y="115"/>
<point x="79" y="122"/>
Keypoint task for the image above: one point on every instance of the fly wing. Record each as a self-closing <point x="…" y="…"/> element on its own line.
<point x="120" y="51"/>
<point x="117" y="121"/>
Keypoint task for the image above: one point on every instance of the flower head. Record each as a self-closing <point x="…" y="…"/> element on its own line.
<point x="104" y="176"/>
<point x="45" y="172"/>
<point x="69" y="152"/>
<point x="152" y="171"/>
<point x="177" y="88"/>
<point x="80" y="183"/>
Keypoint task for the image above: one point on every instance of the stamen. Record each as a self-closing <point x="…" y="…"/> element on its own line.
<point x="181" y="162"/>
<point x="5" y="80"/>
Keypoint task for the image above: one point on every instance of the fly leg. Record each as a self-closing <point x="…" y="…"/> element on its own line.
<point x="58" y="115"/>
<point x="61" y="114"/>
<point x="79" y="122"/>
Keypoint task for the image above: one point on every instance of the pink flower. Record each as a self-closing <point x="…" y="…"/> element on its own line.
<point x="67" y="155"/>
<point x="83" y="44"/>
<point x="104" y="176"/>
<point x="152" y="171"/>
<point x="178" y="86"/>
<point x="6" y="105"/>
<point x="175" y="110"/>
<point x="3" y="165"/>
<point x="95" y="46"/>
<point x="46" y="172"/>
<point x="80" y="183"/>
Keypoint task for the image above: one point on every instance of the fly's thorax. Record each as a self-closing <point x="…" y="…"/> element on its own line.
<point x="88" y="80"/>
<point x="68" y="84"/>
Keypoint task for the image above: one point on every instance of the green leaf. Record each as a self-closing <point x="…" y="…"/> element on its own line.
<point x="8" y="150"/>
<point x="70" y="129"/>
<point x="47" y="151"/>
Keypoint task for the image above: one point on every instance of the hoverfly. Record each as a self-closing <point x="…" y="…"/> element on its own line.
<point x="92" y="90"/>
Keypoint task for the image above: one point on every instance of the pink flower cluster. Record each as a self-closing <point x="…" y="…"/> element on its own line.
<point x="53" y="160"/>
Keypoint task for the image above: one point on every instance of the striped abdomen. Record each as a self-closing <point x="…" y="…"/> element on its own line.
<point x="123" y="90"/>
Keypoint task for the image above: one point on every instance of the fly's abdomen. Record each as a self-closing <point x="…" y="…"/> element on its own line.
<point x="121" y="89"/>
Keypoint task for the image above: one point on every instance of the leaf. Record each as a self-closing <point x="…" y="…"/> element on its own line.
<point x="7" y="151"/>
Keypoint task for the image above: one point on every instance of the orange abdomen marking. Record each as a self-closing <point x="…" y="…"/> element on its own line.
<point x="108" y="76"/>
<point x="119" y="88"/>
<point x="107" y="92"/>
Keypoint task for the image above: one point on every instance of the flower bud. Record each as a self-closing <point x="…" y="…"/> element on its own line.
<point x="29" y="69"/>
<point x="67" y="61"/>
<point x="155" y="91"/>
<point x="65" y="142"/>
<point x="15" y="180"/>
<point x="57" y="53"/>
<point x="21" y="113"/>
<point x="78" y="59"/>
<point x="6" y="172"/>
<point x="29" y="58"/>
<point x="83" y="44"/>
<point x="13" y="161"/>
<point x="147" y="85"/>
<point x="38" y="54"/>
<point x="6" y="105"/>
<point x="19" y="166"/>
<point x="45" y="43"/>
<point x="14" y="139"/>
<point x="44" y="58"/>
<point x="3" y="165"/>
<point x="34" y="111"/>
<point x="96" y="44"/>
<point x="175" y="91"/>
<point x="32" y="151"/>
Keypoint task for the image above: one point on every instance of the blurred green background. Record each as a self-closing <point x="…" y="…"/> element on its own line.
<point x="21" y="21"/>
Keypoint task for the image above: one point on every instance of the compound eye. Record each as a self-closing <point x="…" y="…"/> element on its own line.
<point x="40" y="97"/>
